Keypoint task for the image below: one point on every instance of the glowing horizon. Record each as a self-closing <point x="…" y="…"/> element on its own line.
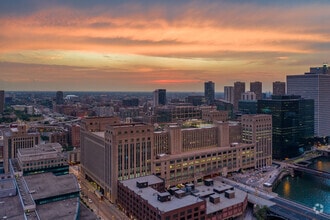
<point x="112" y="46"/>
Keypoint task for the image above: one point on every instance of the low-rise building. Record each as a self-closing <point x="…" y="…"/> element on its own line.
<point x="147" y="198"/>
<point x="42" y="158"/>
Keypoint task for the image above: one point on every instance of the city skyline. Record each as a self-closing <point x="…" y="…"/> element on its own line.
<point x="129" y="46"/>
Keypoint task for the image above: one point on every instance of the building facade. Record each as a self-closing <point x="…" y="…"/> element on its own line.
<point x="248" y="96"/>
<point x="279" y="88"/>
<point x="147" y="198"/>
<point x="17" y="138"/>
<point x="209" y="92"/>
<point x="59" y="98"/>
<point x="314" y="85"/>
<point x="293" y="123"/>
<point x="257" y="129"/>
<point x="159" y="97"/>
<point x="120" y="151"/>
<point x="239" y="88"/>
<point x="229" y="94"/>
<point x="2" y="101"/>
<point x="256" y="87"/>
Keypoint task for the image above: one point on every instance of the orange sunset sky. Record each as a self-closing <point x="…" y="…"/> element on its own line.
<point x="143" y="45"/>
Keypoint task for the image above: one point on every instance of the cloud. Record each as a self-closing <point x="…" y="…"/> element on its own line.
<point x="161" y="42"/>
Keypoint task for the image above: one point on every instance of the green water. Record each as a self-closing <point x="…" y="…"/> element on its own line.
<point x="307" y="189"/>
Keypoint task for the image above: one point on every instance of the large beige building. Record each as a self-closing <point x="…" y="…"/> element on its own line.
<point x="176" y="154"/>
<point x="115" y="152"/>
<point x="257" y="129"/>
<point x="16" y="138"/>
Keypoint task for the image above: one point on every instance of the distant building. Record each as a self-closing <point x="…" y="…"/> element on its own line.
<point x="2" y="101"/>
<point x="293" y="123"/>
<point x="159" y="97"/>
<point x="59" y="136"/>
<point x="257" y="129"/>
<point x="248" y="106"/>
<point x="279" y="88"/>
<point x="146" y="198"/>
<point x="314" y="85"/>
<point x="133" y="102"/>
<point x="74" y="135"/>
<point x="248" y="96"/>
<point x="229" y="94"/>
<point x="173" y="113"/>
<point x="239" y="88"/>
<point x="196" y="100"/>
<point x="209" y="92"/>
<point x="256" y="87"/>
<point x="59" y="98"/>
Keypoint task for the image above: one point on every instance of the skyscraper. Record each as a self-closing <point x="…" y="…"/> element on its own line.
<point x="293" y="123"/>
<point x="209" y="92"/>
<point x="314" y="85"/>
<point x="59" y="98"/>
<point x="159" y="97"/>
<point x="229" y="94"/>
<point x="2" y="101"/>
<point x="278" y="88"/>
<point x="256" y="87"/>
<point x="239" y="88"/>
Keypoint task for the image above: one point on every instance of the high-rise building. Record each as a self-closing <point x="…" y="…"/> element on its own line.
<point x="229" y="94"/>
<point x="119" y="152"/>
<point x="59" y="98"/>
<point x="256" y="87"/>
<point x="239" y="88"/>
<point x="314" y="85"/>
<point x="159" y="97"/>
<point x="257" y="129"/>
<point x="209" y="92"/>
<point x="278" y="88"/>
<point x="293" y="123"/>
<point x="2" y="101"/>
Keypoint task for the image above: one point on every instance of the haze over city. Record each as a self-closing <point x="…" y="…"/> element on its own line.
<point x="140" y="46"/>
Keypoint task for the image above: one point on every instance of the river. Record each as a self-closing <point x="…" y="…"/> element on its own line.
<point x="307" y="189"/>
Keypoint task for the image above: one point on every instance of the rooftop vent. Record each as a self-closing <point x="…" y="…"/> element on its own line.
<point x="215" y="199"/>
<point x="230" y="194"/>
<point x="208" y="182"/>
<point x="179" y="193"/>
<point x="164" y="197"/>
<point x="142" y="184"/>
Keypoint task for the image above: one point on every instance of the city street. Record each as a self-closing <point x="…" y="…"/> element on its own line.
<point x="102" y="207"/>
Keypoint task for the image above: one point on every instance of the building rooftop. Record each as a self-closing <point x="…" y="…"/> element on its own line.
<point x="151" y="195"/>
<point x="64" y="210"/>
<point x="41" y="149"/>
<point x="43" y="185"/>
<point x="224" y="201"/>
<point x="11" y="208"/>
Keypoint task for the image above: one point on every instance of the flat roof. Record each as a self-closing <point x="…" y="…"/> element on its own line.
<point x="7" y="184"/>
<point x="224" y="202"/>
<point x="64" y="210"/>
<point x="41" y="149"/>
<point x="11" y="207"/>
<point x="45" y="185"/>
<point x="151" y="195"/>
